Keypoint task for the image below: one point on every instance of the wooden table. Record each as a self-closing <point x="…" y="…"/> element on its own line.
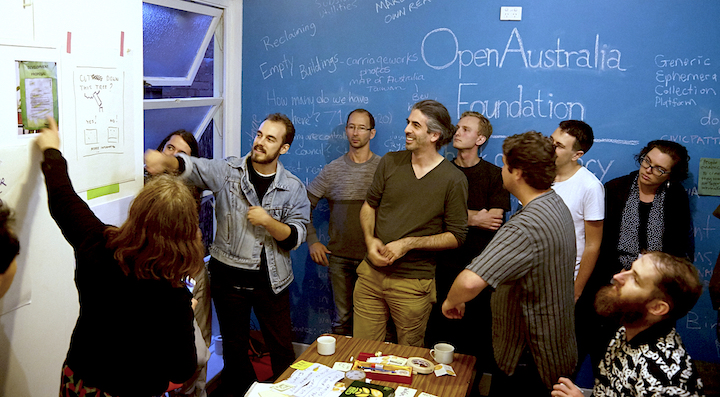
<point x="444" y="386"/>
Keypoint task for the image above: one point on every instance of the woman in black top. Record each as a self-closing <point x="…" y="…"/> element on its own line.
<point x="134" y="334"/>
<point x="646" y="210"/>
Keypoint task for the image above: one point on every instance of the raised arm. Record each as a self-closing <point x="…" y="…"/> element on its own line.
<point x="69" y="211"/>
<point x="158" y="163"/>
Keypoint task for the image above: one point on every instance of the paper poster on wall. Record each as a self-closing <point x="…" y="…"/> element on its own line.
<point x="709" y="177"/>
<point x="13" y="178"/>
<point x="37" y="94"/>
<point x="99" y="111"/>
<point x="100" y="150"/>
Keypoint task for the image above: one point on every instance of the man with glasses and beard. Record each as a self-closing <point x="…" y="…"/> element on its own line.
<point x="261" y="211"/>
<point x="646" y="356"/>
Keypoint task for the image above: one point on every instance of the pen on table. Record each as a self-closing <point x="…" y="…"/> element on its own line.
<point x="378" y="369"/>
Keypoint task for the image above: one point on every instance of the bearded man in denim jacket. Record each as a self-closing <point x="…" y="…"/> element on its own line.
<point x="261" y="210"/>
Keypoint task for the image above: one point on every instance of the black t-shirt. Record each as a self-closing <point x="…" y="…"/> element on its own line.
<point x="485" y="191"/>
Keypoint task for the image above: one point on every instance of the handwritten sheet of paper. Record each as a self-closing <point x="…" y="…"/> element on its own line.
<point x="709" y="177"/>
<point x="316" y="381"/>
<point x="403" y="391"/>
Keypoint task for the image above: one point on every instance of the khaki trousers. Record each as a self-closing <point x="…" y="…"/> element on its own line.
<point x="378" y="296"/>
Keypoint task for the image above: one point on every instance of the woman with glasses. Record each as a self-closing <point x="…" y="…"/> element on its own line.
<point x="646" y="210"/>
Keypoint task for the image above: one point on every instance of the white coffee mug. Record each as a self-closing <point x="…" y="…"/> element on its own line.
<point x="326" y="345"/>
<point x="218" y="345"/>
<point x="443" y="353"/>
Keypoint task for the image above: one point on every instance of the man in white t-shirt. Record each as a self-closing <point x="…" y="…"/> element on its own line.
<point x="583" y="194"/>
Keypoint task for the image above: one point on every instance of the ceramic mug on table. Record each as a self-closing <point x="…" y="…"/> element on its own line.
<point x="443" y="353"/>
<point x="326" y="345"/>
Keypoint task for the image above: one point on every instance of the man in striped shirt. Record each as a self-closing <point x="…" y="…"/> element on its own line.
<point x="530" y="263"/>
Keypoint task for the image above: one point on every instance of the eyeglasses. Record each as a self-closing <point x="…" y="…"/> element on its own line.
<point x="656" y="170"/>
<point x="353" y="127"/>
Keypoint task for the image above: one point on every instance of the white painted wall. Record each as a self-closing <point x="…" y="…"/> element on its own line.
<point x="34" y="338"/>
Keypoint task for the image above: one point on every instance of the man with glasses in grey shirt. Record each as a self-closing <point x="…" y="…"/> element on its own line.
<point x="344" y="183"/>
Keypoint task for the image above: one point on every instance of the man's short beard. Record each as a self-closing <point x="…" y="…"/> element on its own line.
<point x="267" y="160"/>
<point x="609" y="304"/>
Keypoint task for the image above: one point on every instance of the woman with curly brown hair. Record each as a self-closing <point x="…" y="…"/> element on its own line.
<point x="134" y="335"/>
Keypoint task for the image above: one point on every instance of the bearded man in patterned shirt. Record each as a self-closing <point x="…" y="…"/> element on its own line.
<point x="647" y="356"/>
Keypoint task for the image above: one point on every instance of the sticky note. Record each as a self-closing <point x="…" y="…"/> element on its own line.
<point x="341" y="366"/>
<point x="103" y="191"/>
<point x="302" y="364"/>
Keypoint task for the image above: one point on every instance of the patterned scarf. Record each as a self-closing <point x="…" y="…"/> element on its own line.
<point x="628" y="243"/>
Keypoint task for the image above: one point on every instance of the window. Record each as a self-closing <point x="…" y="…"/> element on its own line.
<point x="182" y="71"/>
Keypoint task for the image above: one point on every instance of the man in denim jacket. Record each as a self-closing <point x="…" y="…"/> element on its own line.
<point x="261" y="212"/>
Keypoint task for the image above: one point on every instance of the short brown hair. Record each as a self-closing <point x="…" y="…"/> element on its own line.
<point x="485" y="128"/>
<point x="159" y="240"/>
<point x="581" y="131"/>
<point x="535" y="155"/>
<point x="289" y="127"/>
<point x="679" y="284"/>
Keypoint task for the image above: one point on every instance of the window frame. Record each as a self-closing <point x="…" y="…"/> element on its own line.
<point x="216" y="15"/>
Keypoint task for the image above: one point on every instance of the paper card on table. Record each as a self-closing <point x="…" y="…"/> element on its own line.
<point x="444" y="369"/>
<point x="394" y="360"/>
<point x="282" y="386"/>
<point x="424" y="394"/>
<point x="341" y="366"/>
<point x="301" y="365"/>
<point x="403" y="391"/>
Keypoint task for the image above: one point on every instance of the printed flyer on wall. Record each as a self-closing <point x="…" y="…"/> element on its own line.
<point x="38" y="99"/>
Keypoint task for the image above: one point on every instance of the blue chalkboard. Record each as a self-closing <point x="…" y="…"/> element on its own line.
<point x="635" y="71"/>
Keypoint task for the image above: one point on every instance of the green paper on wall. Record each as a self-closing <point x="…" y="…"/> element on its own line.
<point x="709" y="177"/>
<point x="38" y="93"/>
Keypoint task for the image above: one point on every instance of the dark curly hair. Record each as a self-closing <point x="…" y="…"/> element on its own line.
<point x="676" y="151"/>
<point x="535" y="155"/>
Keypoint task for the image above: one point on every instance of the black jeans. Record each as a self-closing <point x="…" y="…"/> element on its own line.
<point x="235" y="292"/>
